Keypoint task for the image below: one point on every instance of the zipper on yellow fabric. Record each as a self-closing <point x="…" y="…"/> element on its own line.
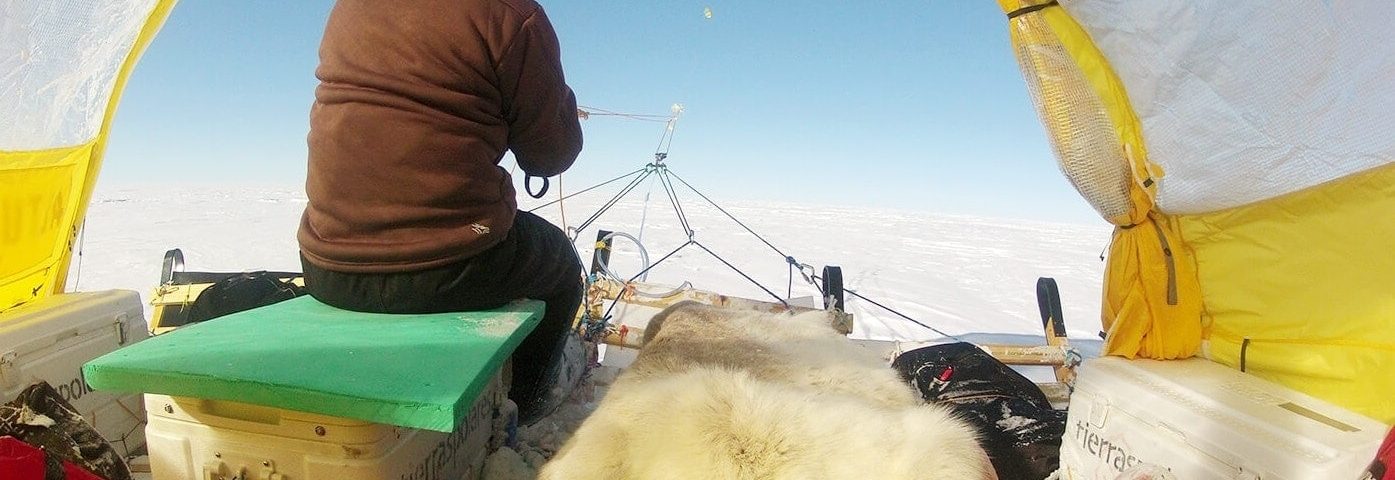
<point x="1171" y="264"/>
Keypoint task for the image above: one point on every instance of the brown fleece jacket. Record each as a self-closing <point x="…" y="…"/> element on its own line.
<point x="417" y="103"/>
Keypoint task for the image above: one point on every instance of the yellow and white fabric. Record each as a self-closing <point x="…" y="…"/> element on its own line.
<point x="1259" y="182"/>
<point x="63" y="64"/>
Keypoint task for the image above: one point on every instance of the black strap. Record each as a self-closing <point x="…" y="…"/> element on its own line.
<point x="1025" y="10"/>
<point x="1244" y="348"/>
<point x="1049" y="302"/>
<point x="528" y="186"/>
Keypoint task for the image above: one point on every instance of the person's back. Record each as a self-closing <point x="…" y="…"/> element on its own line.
<point x="408" y="208"/>
<point x="417" y="103"/>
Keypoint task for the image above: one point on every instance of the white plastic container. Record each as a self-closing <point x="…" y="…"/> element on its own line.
<point x="1202" y="420"/>
<point x="209" y="439"/>
<point x="49" y="340"/>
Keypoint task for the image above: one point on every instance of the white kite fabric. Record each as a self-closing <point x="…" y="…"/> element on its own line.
<point x="59" y="60"/>
<point x="1087" y="146"/>
<point x="1246" y="101"/>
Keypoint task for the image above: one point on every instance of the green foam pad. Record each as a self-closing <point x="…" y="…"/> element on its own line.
<point x="420" y="371"/>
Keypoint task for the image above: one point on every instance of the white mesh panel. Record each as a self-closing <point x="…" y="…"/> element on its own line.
<point x="1245" y="100"/>
<point x="58" y="63"/>
<point x="1081" y="133"/>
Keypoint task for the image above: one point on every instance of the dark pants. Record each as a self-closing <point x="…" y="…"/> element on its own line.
<point x="535" y="260"/>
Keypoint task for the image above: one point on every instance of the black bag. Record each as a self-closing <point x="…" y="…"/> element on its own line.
<point x="243" y="291"/>
<point x="1020" y="430"/>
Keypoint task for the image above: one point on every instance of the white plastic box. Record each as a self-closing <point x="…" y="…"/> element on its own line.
<point x="209" y="439"/>
<point x="49" y="340"/>
<point x="1202" y="420"/>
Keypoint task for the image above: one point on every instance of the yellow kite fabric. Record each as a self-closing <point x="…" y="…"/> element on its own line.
<point x="1301" y="289"/>
<point x="1255" y="219"/>
<point x="37" y="202"/>
<point x="60" y="103"/>
<point x="1151" y="304"/>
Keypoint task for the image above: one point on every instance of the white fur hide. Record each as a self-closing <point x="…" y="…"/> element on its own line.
<point x="728" y="394"/>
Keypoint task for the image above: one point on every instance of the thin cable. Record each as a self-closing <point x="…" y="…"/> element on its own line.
<point x="677" y="202"/>
<point x="644" y="214"/>
<point x="82" y="245"/>
<point x="593" y="187"/>
<point x="673" y="199"/>
<point x="625" y="115"/>
<point x="668" y="131"/>
<point x="729" y="215"/>
<point x="601" y="112"/>
<point x="561" y="205"/>
<point x="642" y="272"/>
<point x="663" y="178"/>
<point x="613" y="201"/>
<point x="899" y="314"/>
<point x="671" y="129"/>
<point x="743" y="274"/>
<point x="598" y="109"/>
<point x="815" y="280"/>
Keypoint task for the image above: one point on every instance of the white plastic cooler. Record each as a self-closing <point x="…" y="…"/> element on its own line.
<point x="1202" y="420"/>
<point x="49" y="340"/>
<point x="210" y="439"/>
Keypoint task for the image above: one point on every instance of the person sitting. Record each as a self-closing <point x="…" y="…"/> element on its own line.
<point x="408" y="209"/>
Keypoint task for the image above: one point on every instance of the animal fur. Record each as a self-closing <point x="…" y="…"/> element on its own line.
<point x="724" y="394"/>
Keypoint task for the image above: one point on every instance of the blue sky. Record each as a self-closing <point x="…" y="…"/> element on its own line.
<point x="906" y="104"/>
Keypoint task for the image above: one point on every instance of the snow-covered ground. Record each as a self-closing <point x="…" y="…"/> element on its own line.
<point x="959" y="274"/>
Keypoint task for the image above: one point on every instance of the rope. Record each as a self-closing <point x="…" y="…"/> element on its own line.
<point x="661" y="151"/>
<point x="82" y="245"/>
<point x="899" y="314"/>
<point x="626" y="115"/>
<point x="642" y="272"/>
<point x="793" y="263"/>
<point x="601" y="112"/>
<point x="561" y="206"/>
<point x="661" y="154"/>
<point x="677" y="204"/>
<point x="593" y="187"/>
<point x="815" y="279"/>
<point x="663" y="178"/>
<point x="743" y="274"/>
<point x="613" y="200"/>
<point x="733" y="218"/>
<point x="644" y="214"/>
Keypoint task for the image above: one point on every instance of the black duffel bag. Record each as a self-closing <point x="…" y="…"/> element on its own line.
<point x="1020" y="430"/>
<point x="240" y="292"/>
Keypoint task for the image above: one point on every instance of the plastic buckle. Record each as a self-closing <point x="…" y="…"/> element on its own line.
<point x="9" y="371"/>
<point x="1099" y="412"/>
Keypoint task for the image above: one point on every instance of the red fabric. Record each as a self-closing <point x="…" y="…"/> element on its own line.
<point x="1386" y="456"/>
<point x="74" y="472"/>
<point x="20" y="461"/>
